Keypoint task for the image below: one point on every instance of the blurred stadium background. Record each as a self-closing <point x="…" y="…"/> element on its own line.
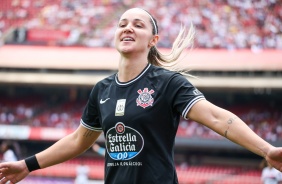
<point x="54" y="51"/>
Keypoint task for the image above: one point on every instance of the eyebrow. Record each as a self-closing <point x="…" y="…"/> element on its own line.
<point x="138" y="20"/>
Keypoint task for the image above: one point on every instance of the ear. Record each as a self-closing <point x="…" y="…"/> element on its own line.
<point x="154" y="41"/>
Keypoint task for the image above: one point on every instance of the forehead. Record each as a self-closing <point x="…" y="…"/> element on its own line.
<point x="135" y="13"/>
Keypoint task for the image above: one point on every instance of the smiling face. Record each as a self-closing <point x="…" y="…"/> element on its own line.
<point x="134" y="32"/>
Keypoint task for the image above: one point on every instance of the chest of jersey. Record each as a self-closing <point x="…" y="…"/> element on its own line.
<point x="130" y="116"/>
<point x="131" y="105"/>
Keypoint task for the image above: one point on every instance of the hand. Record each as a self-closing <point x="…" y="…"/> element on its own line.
<point x="98" y="149"/>
<point x="95" y="147"/>
<point x="274" y="158"/>
<point x="13" y="171"/>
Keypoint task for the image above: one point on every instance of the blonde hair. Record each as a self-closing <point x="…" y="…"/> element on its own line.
<point x="183" y="41"/>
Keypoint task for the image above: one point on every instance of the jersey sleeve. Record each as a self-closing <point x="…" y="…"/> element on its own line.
<point x="183" y="94"/>
<point x="90" y="117"/>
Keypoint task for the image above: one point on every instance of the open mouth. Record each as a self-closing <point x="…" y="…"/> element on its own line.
<point x="127" y="39"/>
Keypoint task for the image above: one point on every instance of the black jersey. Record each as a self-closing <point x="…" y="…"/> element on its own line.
<point x="139" y="119"/>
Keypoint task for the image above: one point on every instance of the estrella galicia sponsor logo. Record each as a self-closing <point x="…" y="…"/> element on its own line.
<point x="123" y="142"/>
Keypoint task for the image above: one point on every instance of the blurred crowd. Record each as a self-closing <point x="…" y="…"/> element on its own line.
<point x="220" y="24"/>
<point x="37" y="112"/>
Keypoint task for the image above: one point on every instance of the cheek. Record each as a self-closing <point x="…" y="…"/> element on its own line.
<point x="146" y="39"/>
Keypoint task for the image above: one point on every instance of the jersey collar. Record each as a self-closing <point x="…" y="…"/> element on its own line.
<point x="133" y="80"/>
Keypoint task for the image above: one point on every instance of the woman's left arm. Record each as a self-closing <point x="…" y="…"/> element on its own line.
<point x="233" y="128"/>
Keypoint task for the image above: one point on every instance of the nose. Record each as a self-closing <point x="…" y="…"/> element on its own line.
<point x="128" y="28"/>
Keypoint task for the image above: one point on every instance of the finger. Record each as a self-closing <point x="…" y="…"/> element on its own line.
<point x="13" y="181"/>
<point x="4" y="165"/>
<point x="4" y="180"/>
<point x="9" y="180"/>
<point x="1" y="175"/>
<point x="3" y="171"/>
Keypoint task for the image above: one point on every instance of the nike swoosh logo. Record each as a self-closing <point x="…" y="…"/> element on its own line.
<point x="103" y="101"/>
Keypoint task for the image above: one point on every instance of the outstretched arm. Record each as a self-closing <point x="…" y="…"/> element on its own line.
<point x="67" y="148"/>
<point x="233" y="128"/>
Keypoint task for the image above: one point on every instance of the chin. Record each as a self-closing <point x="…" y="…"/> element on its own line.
<point x="125" y="50"/>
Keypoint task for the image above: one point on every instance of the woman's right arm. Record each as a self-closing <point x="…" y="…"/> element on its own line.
<point x="66" y="148"/>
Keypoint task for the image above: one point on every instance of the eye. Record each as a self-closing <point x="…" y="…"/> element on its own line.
<point x="121" y="25"/>
<point x="139" y="25"/>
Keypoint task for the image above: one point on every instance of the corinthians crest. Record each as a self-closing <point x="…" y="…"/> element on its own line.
<point x="145" y="98"/>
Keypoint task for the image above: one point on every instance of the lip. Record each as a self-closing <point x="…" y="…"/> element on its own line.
<point x="127" y="37"/>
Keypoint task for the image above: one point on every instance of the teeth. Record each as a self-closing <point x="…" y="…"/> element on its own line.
<point x="127" y="39"/>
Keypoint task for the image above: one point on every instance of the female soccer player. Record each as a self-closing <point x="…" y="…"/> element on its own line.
<point x="138" y="110"/>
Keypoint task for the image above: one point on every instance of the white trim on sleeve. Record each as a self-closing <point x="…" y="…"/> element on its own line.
<point x="190" y="104"/>
<point x="89" y="127"/>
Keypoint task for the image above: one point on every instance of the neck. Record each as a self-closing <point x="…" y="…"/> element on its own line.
<point x="129" y="68"/>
